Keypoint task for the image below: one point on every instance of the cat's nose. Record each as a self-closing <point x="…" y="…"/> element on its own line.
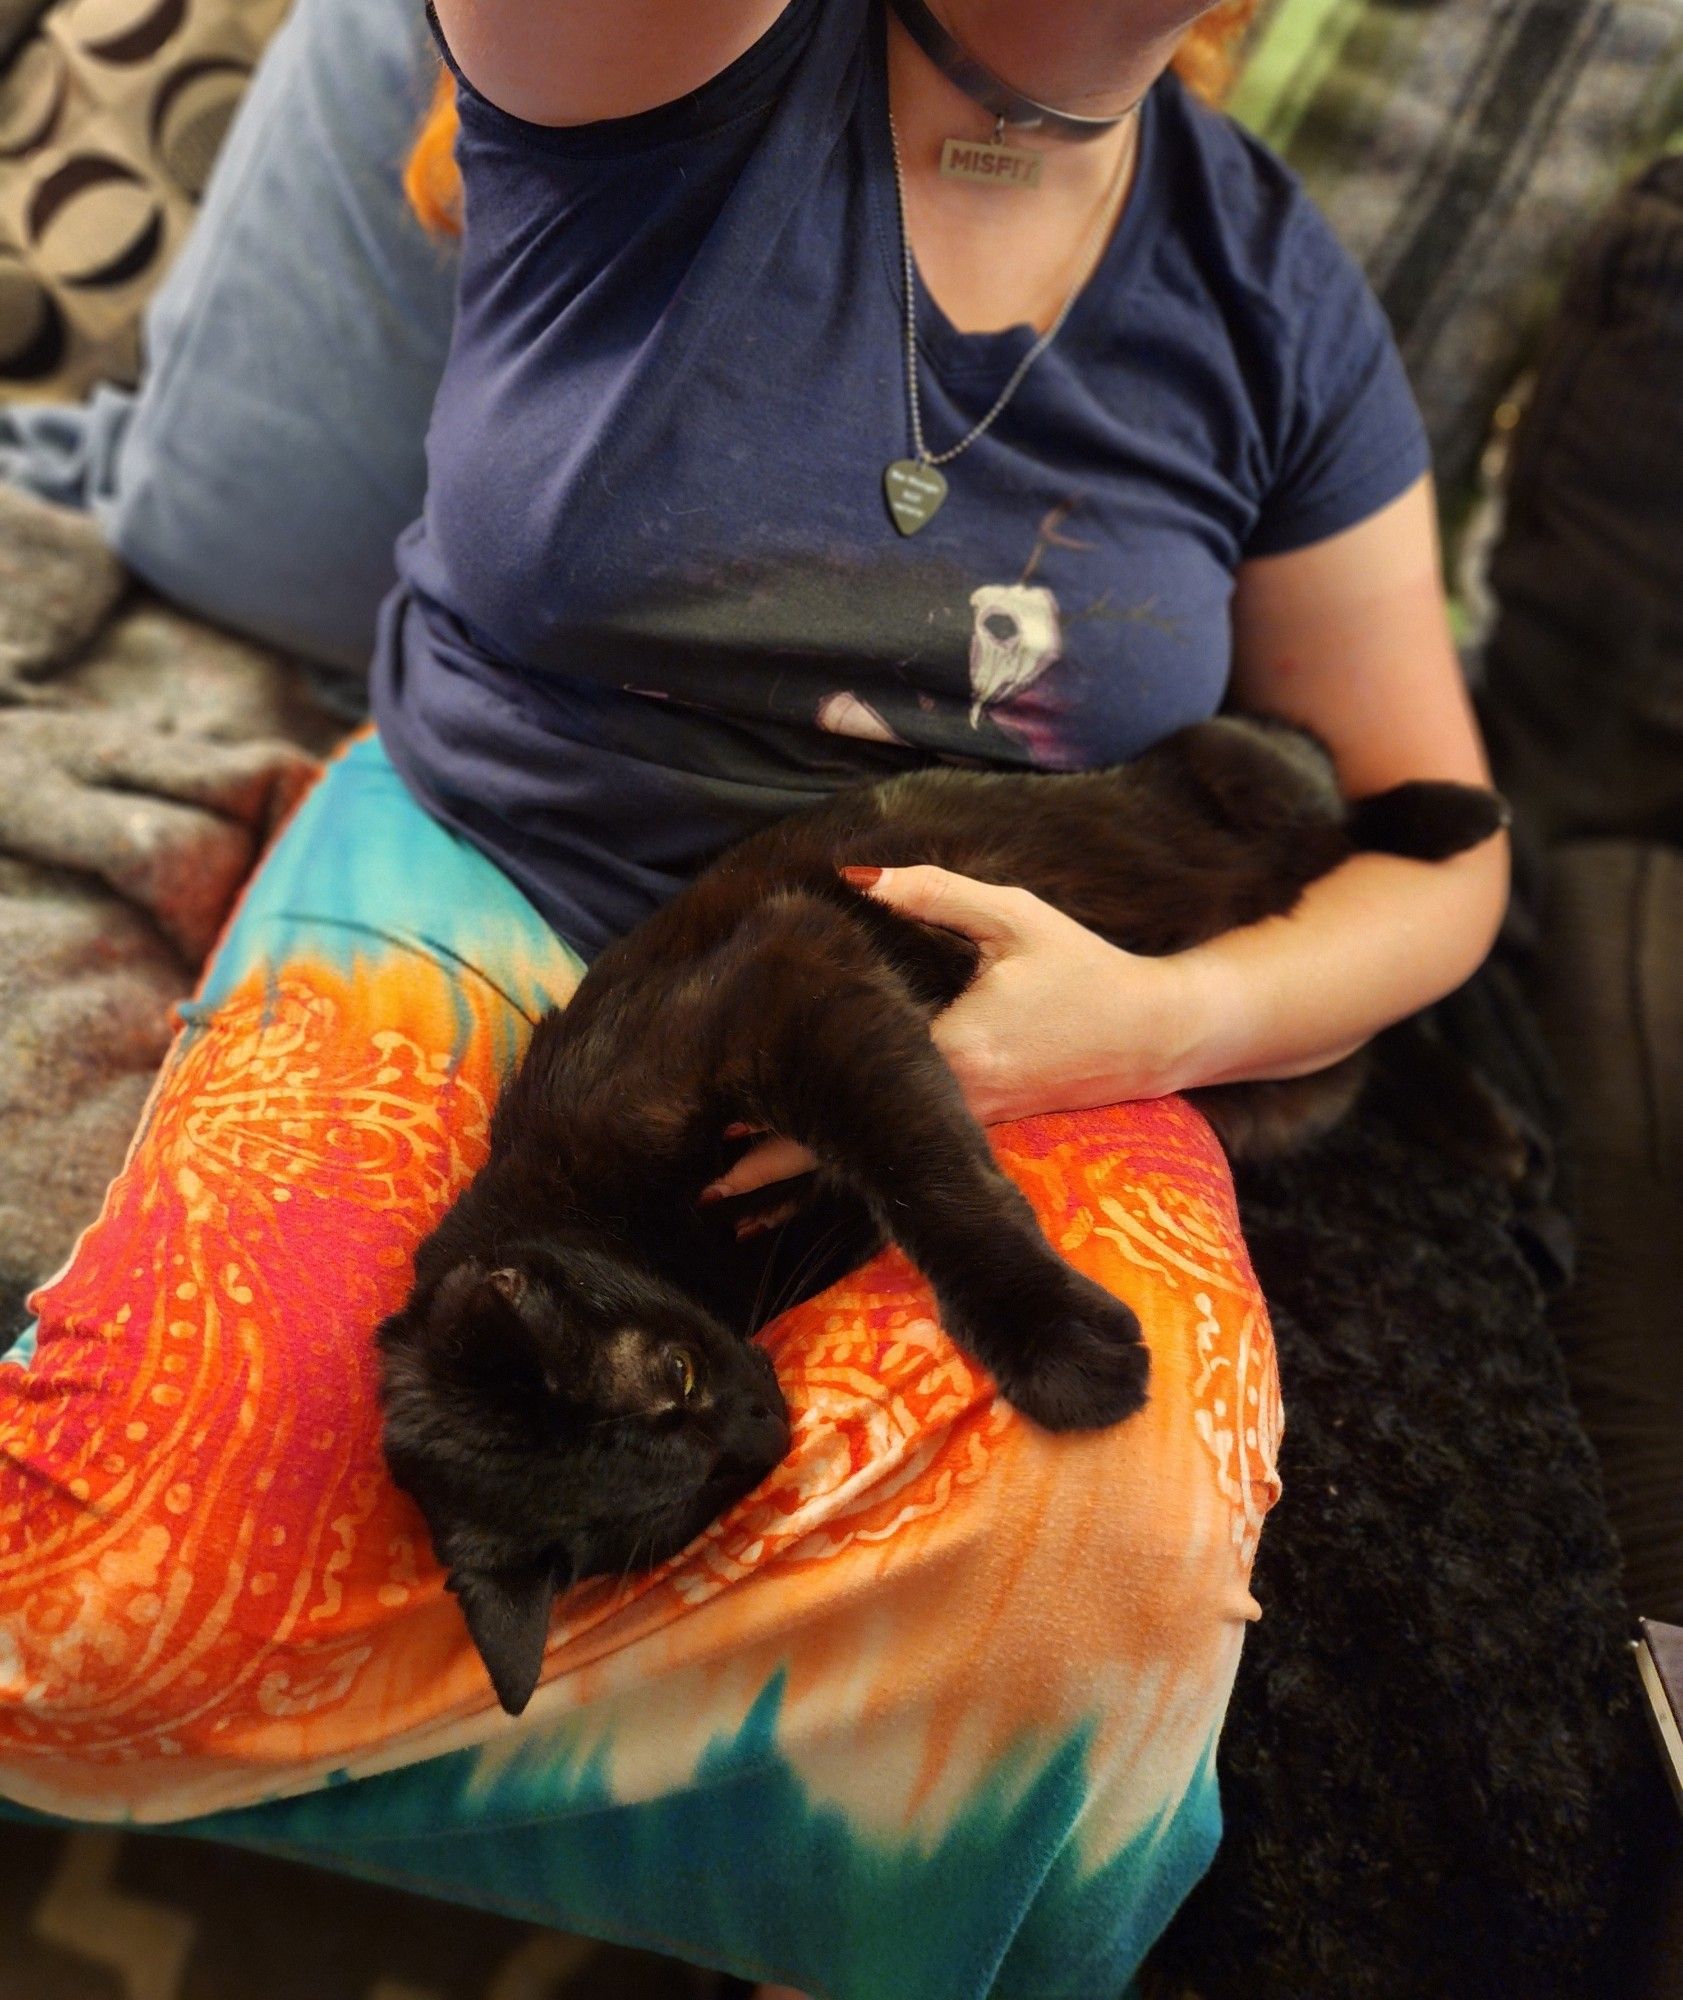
<point x="759" y="1440"/>
<point x="769" y="1425"/>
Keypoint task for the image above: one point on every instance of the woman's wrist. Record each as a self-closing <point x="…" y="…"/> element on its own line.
<point x="1191" y="1016"/>
<point x="1373" y="941"/>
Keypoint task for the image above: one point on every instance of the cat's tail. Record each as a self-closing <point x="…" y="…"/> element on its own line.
<point x="1426" y="820"/>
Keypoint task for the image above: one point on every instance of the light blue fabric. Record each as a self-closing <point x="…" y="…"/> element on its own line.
<point x="66" y="452"/>
<point x="274" y="450"/>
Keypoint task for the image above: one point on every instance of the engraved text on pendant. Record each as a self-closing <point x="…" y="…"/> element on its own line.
<point x="915" y="493"/>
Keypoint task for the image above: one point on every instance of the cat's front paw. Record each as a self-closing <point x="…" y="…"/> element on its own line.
<point x="1076" y="1362"/>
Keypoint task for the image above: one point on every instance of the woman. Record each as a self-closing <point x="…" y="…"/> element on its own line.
<point x="935" y="1712"/>
<point x="1334" y="617"/>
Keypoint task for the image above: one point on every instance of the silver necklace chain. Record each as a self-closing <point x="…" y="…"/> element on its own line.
<point x="1093" y="250"/>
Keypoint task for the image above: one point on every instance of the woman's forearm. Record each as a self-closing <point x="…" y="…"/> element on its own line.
<point x="1376" y="940"/>
<point x="1059" y="1020"/>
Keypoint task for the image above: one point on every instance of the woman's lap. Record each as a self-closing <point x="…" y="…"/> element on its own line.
<point x="935" y="1708"/>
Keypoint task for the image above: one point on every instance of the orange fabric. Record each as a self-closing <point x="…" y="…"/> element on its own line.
<point x="937" y="1705"/>
<point x="209" y="1590"/>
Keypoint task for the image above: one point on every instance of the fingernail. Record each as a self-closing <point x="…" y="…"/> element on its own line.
<point x="712" y="1193"/>
<point x="862" y="878"/>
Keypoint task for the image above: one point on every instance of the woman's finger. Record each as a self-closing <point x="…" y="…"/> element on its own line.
<point x="776" y="1160"/>
<point x="993" y="916"/>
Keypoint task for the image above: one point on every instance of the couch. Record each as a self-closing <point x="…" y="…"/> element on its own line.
<point x="1436" y="1774"/>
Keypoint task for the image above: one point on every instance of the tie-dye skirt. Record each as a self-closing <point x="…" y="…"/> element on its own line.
<point x="931" y="1715"/>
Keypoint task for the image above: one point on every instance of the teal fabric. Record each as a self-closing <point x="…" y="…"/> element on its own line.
<point x="546" y="1842"/>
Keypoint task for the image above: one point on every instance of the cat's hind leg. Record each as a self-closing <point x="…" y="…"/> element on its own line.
<point x="1266" y="1120"/>
<point x="827" y="1046"/>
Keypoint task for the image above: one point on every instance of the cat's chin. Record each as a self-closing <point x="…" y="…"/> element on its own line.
<point x="728" y="1487"/>
<point x="642" y="1543"/>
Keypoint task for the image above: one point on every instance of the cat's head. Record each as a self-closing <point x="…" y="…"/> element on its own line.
<point x="563" y="1414"/>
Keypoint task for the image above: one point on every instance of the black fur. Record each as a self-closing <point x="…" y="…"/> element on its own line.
<point x="1434" y="1762"/>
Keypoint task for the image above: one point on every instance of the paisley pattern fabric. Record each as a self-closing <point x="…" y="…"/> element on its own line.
<point x="934" y="1711"/>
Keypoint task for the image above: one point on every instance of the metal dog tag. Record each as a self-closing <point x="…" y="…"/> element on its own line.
<point x="997" y="165"/>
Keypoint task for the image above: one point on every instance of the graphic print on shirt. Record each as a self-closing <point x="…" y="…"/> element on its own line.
<point x="1016" y="637"/>
<point x="1018" y="633"/>
<point x="847" y="715"/>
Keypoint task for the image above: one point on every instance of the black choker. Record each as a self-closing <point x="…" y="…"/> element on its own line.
<point x="976" y="80"/>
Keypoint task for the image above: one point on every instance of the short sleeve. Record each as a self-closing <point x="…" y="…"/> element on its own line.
<point x="1351" y="439"/>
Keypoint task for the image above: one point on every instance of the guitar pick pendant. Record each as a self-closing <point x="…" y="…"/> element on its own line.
<point x="915" y="492"/>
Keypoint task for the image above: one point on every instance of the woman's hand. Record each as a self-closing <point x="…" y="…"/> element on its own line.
<point x="1055" y="1020"/>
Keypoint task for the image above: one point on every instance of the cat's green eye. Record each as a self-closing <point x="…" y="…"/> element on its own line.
<point x="683" y="1373"/>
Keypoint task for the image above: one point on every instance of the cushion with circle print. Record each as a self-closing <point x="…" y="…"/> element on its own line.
<point x="17" y="17"/>
<point x="111" y="114"/>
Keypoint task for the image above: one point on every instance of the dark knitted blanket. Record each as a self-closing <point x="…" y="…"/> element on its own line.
<point x="1434" y="1753"/>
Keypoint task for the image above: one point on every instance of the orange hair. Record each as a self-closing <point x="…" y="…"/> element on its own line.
<point x="430" y="179"/>
<point x="1208" y="59"/>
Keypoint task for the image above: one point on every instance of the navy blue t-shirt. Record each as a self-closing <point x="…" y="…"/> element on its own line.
<point x="656" y="598"/>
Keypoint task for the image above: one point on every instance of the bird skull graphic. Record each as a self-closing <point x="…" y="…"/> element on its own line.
<point x="1015" y="638"/>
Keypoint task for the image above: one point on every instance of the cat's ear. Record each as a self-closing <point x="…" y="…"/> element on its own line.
<point x="510" y="1286"/>
<point x="468" y="1288"/>
<point x="507" y="1613"/>
<point x="478" y="1329"/>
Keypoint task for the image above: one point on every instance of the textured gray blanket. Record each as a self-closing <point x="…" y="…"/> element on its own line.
<point x="144" y="760"/>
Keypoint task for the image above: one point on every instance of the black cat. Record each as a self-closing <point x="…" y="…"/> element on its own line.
<point x="569" y="1389"/>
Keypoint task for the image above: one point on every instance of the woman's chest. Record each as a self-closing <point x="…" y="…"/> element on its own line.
<point x="662" y="476"/>
<point x="725" y="543"/>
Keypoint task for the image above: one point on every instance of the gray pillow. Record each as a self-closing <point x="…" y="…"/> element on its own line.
<point x="1612" y="1003"/>
<point x="275" y="449"/>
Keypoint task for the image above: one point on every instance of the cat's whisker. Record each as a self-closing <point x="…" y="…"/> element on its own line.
<point x="837" y="1232"/>
<point x="634" y="1559"/>
<point x="787" y="1291"/>
<point x="790" y="1289"/>
<point x="754" y="1320"/>
<point x="763" y="1315"/>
